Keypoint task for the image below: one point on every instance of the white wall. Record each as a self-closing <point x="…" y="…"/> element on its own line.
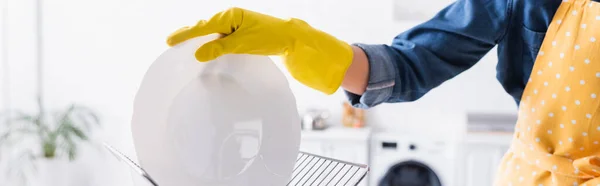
<point x="96" y="53"/>
<point x="21" y="52"/>
<point x="17" y="30"/>
<point x="3" y="73"/>
<point x="3" y="62"/>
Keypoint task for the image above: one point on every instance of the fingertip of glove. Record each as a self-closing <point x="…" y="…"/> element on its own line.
<point x="178" y="36"/>
<point x="173" y="40"/>
<point x="170" y="42"/>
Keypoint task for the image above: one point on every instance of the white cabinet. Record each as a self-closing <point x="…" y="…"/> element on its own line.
<point x="350" y="151"/>
<point x="480" y="155"/>
<point x="313" y="147"/>
<point x="344" y="144"/>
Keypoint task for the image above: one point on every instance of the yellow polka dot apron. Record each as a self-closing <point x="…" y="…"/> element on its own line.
<point x="557" y="136"/>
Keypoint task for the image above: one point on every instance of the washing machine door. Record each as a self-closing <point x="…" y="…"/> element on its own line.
<point x="410" y="173"/>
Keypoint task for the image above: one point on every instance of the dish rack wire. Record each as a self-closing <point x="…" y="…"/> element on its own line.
<point x="315" y="170"/>
<point x="309" y="170"/>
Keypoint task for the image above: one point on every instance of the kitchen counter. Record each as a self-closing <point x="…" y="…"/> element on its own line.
<point x="338" y="133"/>
<point x="488" y="138"/>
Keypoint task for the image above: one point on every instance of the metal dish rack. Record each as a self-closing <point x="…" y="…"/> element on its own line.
<point x="309" y="170"/>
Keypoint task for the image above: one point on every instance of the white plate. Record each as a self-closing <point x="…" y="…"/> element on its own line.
<point x="229" y="122"/>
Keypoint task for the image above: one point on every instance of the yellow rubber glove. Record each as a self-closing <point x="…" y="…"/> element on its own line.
<point x="314" y="58"/>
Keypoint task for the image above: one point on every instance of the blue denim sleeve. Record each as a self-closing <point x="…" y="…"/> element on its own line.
<point x="427" y="55"/>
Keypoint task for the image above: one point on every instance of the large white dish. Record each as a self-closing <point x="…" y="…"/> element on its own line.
<point x="228" y="122"/>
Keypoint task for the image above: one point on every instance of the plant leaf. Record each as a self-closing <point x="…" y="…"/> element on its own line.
<point x="64" y="117"/>
<point x="72" y="152"/>
<point x="71" y="148"/>
<point x="20" y="117"/>
<point x="9" y="135"/>
<point x="4" y="138"/>
<point x="78" y="132"/>
<point x="87" y="116"/>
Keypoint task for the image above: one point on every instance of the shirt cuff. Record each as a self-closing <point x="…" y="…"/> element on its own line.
<point x="382" y="76"/>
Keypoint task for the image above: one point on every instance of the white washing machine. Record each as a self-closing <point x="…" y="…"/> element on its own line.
<point x="404" y="159"/>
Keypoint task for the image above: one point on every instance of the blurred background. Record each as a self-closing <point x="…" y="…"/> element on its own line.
<point x="94" y="54"/>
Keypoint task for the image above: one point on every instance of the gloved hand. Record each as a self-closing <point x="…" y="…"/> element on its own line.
<point x="314" y="58"/>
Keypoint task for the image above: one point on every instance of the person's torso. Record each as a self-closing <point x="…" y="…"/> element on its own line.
<point x="557" y="134"/>
<point x="517" y="51"/>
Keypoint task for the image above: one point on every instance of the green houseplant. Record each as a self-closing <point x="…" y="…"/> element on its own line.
<point x="44" y="141"/>
<point x="54" y="134"/>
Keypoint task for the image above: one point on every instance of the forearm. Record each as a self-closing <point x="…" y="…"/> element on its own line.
<point x="357" y="75"/>
<point x="402" y="72"/>
<point x="427" y="55"/>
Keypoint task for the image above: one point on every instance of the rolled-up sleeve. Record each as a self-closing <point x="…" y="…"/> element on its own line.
<point x="433" y="52"/>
